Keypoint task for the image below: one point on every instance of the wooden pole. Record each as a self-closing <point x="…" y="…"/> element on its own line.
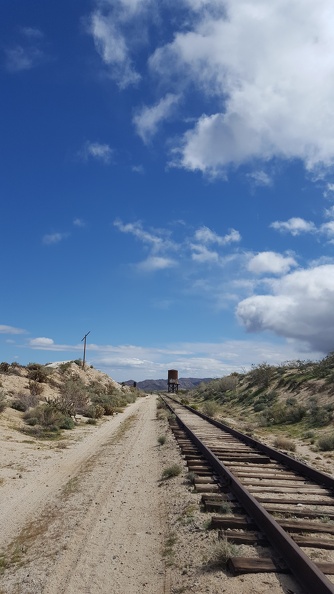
<point x="84" y="355"/>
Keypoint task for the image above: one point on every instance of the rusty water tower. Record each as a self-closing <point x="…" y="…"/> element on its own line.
<point x="173" y="380"/>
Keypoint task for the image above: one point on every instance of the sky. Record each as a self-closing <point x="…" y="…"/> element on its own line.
<point x="167" y="183"/>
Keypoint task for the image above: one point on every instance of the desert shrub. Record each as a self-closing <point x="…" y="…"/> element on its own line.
<point x="94" y="411"/>
<point x="210" y="408"/>
<point x="284" y="443"/>
<point x="222" y="552"/>
<point x="73" y="398"/>
<point x="283" y="414"/>
<point x="78" y="362"/>
<point x="24" y="401"/>
<point x="171" y="471"/>
<point x="185" y="401"/>
<point x="326" y="443"/>
<point x="46" y="416"/>
<point x="35" y="388"/>
<point x="67" y="423"/>
<point x="3" y="401"/>
<point x="261" y="374"/>
<point x="4" y="367"/>
<point x="38" y="373"/>
<point x="320" y="416"/>
<point x="108" y="409"/>
<point x="64" y="367"/>
<point x="162" y="439"/>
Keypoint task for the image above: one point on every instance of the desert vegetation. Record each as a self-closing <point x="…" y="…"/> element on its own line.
<point x="52" y="399"/>
<point x="291" y="400"/>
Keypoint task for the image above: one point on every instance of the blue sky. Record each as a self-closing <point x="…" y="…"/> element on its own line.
<point x="167" y="183"/>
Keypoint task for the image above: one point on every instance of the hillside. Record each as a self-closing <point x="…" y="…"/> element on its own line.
<point x="295" y="399"/>
<point x="51" y="398"/>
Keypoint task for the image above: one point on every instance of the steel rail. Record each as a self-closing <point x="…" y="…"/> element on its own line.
<point x="315" y="475"/>
<point x="304" y="570"/>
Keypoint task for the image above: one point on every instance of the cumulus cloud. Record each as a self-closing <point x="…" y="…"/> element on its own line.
<point x="148" y="119"/>
<point x="269" y="65"/>
<point x="295" y="226"/>
<point x="271" y="262"/>
<point x="300" y="307"/>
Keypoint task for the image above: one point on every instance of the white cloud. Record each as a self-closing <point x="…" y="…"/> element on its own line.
<point x="156" y="239"/>
<point x="328" y="229"/>
<point x="148" y="119"/>
<point x="202" y="254"/>
<point x="295" y="226"/>
<point x="97" y="150"/>
<point x="32" y="32"/>
<point x="206" y="235"/>
<point x="300" y="308"/>
<point x="270" y="66"/>
<point x="41" y="342"/>
<point x="10" y="330"/>
<point x="20" y="58"/>
<point x="260" y="178"/>
<point x="154" y="263"/>
<point x="53" y="238"/>
<point x="79" y="223"/>
<point x="112" y="47"/>
<point x="271" y="262"/>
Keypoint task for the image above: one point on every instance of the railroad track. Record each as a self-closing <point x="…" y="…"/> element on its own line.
<point x="276" y="500"/>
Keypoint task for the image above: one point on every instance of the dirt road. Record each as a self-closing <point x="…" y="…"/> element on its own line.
<point x="89" y="518"/>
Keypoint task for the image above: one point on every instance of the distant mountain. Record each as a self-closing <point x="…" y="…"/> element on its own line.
<point x="161" y="385"/>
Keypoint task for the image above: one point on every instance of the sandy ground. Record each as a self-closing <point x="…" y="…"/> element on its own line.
<point x="90" y="514"/>
<point x="88" y="518"/>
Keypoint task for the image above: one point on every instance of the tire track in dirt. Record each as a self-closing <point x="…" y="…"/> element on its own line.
<point x="108" y="535"/>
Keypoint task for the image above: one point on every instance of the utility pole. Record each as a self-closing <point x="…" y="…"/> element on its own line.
<point x="84" y="355"/>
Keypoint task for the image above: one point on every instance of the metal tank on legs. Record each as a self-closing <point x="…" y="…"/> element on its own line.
<point x="173" y="380"/>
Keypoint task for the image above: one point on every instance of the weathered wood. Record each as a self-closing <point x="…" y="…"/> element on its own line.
<point x="314" y="543"/>
<point x="239" y="565"/>
<point x="301" y="526"/>
<point x="247" y="538"/>
<point x="240" y="522"/>
<point x="207" y="488"/>
<point x="319" y="502"/>
<point x="298" y="512"/>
